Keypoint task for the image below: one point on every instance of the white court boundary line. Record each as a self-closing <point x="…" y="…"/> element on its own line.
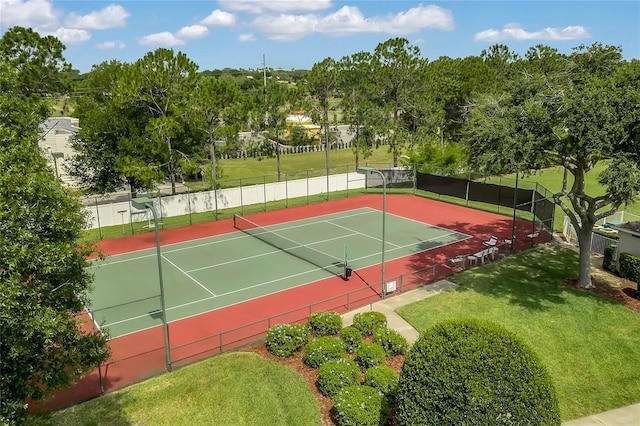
<point x="224" y="240"/>
<point x="367" y="210"/>
<point x="189" y="276"/>
<point x="377" y="254"/>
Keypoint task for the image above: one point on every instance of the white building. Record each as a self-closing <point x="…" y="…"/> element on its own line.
<point x="55" y="142"/>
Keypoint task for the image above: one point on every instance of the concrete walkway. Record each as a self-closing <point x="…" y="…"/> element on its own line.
<point x="624" y="416"/>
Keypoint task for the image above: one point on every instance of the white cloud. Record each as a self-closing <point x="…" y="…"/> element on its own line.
<point x="192" y="32"/>
<point x="71" y="35"/>
<point x="286" y="27"/>
<point x="110" y="45"/>
<point x="219" y="18"/>
<point x="516" y="32"/>
<point x="349" y="20"/>
<point x="417" y="19"/>
<point x="36" y="14"/>
<point x="112" y="16"/>
<point x="163" y="39"/>
<point x="280" y="6"/>
<point x="246" y="37"/>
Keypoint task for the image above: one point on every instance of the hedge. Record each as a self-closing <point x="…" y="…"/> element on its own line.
<point x="630" y="267"/>
<point x="466" y="369"/>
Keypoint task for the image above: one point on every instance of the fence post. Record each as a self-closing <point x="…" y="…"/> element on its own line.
<point x="241" y="201"/>
<point x="98" y="218"/>
<point x="513" y="220"/>
<point x="307" y="187"/>
<point x="189" y="203"/>
<point x="415" y="178"/>
<point x="264" y="191"/>
<point x="286" y="191"/>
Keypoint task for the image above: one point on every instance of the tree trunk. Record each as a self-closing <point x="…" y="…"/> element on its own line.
<point x="172" y="175"/>
<point x="584" y="269"/>
<point x="357" y="139"/>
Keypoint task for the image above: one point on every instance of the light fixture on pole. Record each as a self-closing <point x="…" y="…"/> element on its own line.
<point x="55" y="156"/>
<point x="144" y="203"/>
<point x="370" y="171"/>
<point x="213" y="171"/>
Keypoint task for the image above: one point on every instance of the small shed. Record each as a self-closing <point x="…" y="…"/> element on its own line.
<point x="629" y="238"/>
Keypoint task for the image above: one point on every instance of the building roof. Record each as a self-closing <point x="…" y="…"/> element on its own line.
<point x="632" y="228"/>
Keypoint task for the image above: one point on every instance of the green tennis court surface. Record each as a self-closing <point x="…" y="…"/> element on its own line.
<point x="210" y="273"/>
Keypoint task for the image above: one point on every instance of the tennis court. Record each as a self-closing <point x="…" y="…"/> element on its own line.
<point x="250" y="262"/>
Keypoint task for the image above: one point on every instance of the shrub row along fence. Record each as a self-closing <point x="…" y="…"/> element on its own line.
<point x="134" y="362"/>
<point x="529" y="200"/>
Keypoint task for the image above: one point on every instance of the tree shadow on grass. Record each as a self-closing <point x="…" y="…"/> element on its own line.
<point x="108" y="409"/>
<point x="533" y="279"/>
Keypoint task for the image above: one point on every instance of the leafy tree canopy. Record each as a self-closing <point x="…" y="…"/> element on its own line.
<point x="572" y="112"/>
<point x="43" y="277"/>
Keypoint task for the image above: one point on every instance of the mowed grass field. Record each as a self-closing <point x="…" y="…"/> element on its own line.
<point x="234" y="389"/>
<point x="589" y="345"/>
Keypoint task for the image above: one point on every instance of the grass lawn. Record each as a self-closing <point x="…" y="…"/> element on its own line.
<point x="233" y="389"/>
<point x="253" y="169"/>
<point x="590" y="345"/>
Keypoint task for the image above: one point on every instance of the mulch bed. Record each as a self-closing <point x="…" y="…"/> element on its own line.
<point x="614" y="288"/>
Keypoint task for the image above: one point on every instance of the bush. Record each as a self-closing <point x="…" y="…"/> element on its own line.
<point x="322" y="349"/>
<point x="391" y="341"/>
<point x="368" y="322"/>
<point x="607" y="261"/>
<point x="283" y="340"/>
<point x="471" y="369"/>
<point x="351" y="337"/>
<point x="335" y="374"/>
<point x="360" y="405"/>
<point x="324" y="323"/>
<point x="369" y="355"/>
<point x="383" y="378"/>
<point x="630" y="267"/>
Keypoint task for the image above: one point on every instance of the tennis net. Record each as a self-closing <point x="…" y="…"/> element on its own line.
<point x="315" y="257"/>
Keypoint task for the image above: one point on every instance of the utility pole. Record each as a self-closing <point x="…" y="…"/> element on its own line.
<point x="264" y="77"/>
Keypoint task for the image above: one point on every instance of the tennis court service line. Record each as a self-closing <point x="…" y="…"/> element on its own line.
<point x="413" y="244"/>
<point x="305" y="224"/>
<point x="251" y="287"/>
<point x="361" y="233"/>
<point x="270" y="253"/>
<point x="189" y="276"/>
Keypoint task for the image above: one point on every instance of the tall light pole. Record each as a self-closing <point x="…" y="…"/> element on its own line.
<point x="370" y="171"/>
<point x="55" y="156"/>
<point x="144" y="203"/>
<point x="213" y="171"/>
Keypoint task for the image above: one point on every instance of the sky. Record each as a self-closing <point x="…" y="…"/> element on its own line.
<point x="295" y="34"/>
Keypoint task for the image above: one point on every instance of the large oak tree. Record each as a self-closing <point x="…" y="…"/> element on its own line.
<point x="575" y="116"/>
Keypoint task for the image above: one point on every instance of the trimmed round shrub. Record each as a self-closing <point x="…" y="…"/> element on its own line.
<point x="472" y="369"/>
<point x="325" y="323"/>
<point x="391" y="341"/>
<point x="360" y="405"/>
<point x="368" y="355"/>
<point x="283" y="340"/>
<point x="351" y="337"/>
<point x="370" y="321"/>
<point x="322" y="349"/>
<point x="335" y="374"/>
<point x="383" y="378"/>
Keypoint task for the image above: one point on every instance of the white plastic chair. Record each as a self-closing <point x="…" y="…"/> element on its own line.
<point x="492" y="241"/>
